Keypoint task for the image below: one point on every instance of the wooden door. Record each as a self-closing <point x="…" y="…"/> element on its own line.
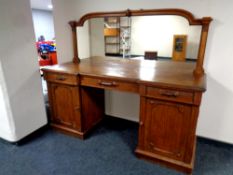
<point x="179" y="47"/>
<point x="166" y="128"/>
<point x="65" y="105"/>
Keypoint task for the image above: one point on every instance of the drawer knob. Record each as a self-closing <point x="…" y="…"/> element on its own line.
<point x="61" y="78"/>
<point x="105" y="83"/>
<point x="77" y="108"/>
<point x="169" y="94"/>
<point x="152" y="102"/>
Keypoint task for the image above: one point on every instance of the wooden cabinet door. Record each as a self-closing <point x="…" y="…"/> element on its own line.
<point x="166" y="128"/>
<point x="65" y="105"/>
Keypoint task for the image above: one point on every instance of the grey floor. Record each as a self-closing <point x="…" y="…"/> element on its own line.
<point x="109" y="150"/>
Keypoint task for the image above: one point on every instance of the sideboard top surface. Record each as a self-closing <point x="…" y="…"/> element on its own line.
<point x="160" y="73"/>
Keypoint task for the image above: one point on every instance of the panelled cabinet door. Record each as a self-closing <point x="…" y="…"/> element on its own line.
<point x="167" y="128"/>
<point x="66" y="107"/>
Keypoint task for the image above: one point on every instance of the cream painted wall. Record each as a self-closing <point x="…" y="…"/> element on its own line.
<point x="23" y="100"/>
<point x="215" y="120"/>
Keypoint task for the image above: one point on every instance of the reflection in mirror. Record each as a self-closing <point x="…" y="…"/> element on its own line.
<point x="167" y="37"/>
<point x="91" y="38"/>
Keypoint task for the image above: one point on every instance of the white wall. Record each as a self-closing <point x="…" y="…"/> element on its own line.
<point x="215" y="119"/>
<point x="83" y="38"/>
<point x="155" y="33"/>
<point x="97" y="36"/>
<point x="63" y="12"/>
<point x="6" y="124"/>
<point x="43" y="24"/>
<point x="24" y="105"/>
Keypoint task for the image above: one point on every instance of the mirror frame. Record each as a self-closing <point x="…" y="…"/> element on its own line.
<point x="204" y="22"/>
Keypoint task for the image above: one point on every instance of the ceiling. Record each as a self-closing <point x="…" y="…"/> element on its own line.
<point x="41" y="4"/>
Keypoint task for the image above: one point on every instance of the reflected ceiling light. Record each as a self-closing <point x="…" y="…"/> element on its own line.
<point x="50" y="6"/>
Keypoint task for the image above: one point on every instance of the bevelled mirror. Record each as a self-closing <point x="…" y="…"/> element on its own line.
<point x="163" y="34"/>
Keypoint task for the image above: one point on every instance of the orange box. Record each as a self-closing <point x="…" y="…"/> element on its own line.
<point x="111" y="32"/>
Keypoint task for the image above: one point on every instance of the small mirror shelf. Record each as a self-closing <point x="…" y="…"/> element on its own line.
<point x="173" y="34"/>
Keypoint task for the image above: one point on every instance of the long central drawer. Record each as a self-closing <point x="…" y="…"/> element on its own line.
<point x="108" y="83"/>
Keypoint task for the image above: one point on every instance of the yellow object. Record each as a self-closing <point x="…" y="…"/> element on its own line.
<point x="111" y="32"/>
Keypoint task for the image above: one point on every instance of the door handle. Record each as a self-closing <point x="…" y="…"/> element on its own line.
<point x="61" y="78"/>
<point x="110" y="84"/>
<point x="169" y="94"/>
